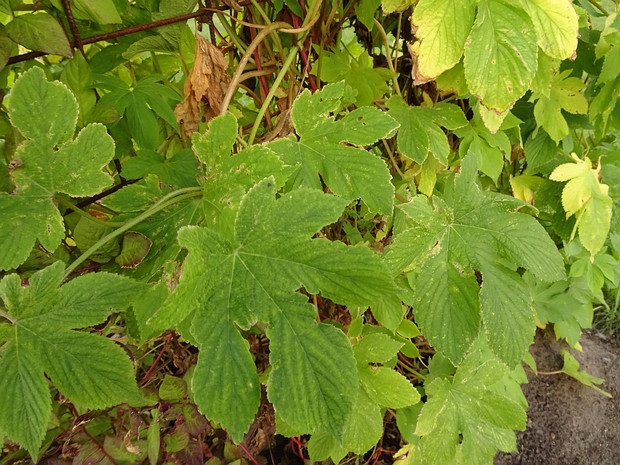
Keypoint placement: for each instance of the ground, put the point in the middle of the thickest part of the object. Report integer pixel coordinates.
(569, 423)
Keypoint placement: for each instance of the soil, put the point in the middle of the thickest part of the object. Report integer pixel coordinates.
(568, 422)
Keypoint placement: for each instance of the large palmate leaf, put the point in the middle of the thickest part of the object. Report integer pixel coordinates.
(468, 417)
(48, 162)
(36, 336)
(348, 171)
(447, 242)
(249, 273)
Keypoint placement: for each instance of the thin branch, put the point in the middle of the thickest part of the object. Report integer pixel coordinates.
(127, 31)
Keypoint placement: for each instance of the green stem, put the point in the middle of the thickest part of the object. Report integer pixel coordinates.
(274, 88)
(599, 7)
(84, 214)
(414, 373)
(232, 85)
(164, 202)
(388, 56)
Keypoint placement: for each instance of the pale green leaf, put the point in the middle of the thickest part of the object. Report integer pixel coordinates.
(595, 222)
(389, 6)
(587, 198)
(359, 73)
(91, 371)
(501, 54)
(32, 92)
(556, 23)
(387, 387)
(216, 144)
(463, 416)
(564, 95)
(49, 164)
(40, 32)
(571, 368)
(421, 129)
(447, 240)
(441, 28)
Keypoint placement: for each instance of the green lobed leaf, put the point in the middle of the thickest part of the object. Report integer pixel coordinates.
(249, 277)
(563, 95)
(359, 73)
(463, 417)
(349, 172)
(441, 28)
(50, 163)
(93, 372)
(501, 54)
(447, 241)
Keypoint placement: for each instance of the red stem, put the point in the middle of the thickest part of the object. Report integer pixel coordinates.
(248, 454)
(150, 370)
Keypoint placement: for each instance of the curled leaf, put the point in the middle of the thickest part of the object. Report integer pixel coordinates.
(205, 84)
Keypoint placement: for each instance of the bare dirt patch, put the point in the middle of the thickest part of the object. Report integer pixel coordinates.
(569, 423)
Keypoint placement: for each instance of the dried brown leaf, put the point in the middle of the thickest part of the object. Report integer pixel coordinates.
(204, 87)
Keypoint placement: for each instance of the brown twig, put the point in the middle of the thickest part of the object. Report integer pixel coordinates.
(105, 193)
(127, 31)
(73, 27)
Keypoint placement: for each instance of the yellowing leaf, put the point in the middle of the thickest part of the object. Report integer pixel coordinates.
(524, 187)
(556, 23)
(501, 54)
(587, 198)
(441, 27)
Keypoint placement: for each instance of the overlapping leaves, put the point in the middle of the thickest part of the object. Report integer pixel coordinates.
(36, 337)
(251, 275)
(499, 41)
(48, 162)
(447, 242)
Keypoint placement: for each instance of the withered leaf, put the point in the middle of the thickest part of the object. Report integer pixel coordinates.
(206, 84)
